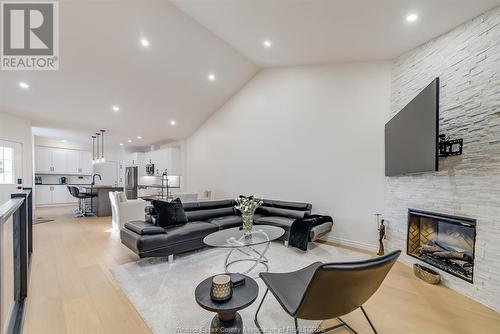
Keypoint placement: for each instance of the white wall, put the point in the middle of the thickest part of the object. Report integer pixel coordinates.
(311, 133)
(19, 130)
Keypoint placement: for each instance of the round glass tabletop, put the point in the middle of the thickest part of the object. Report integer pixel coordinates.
(234, 237)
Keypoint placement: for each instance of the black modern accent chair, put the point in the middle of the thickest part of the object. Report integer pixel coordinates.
(324, 291)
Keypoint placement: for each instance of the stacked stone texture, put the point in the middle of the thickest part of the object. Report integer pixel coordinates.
(467, 61)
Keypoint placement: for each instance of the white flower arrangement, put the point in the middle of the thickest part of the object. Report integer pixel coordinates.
(247, 207)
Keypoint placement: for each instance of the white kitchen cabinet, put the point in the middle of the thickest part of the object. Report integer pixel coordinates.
(53, 160)
(134, 159)
(61, 195)
(149, 157)
(43, 195)
(59, 160)
(167, 158)
(85, 163)
(138, 159)
(43, 159)
(72, 162)
(156, 159)
(53, 194)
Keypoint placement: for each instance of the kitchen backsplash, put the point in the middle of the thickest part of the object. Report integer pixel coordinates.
(73, 179)
(173, 181)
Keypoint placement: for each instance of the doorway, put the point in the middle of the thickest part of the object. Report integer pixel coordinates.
(11, 168)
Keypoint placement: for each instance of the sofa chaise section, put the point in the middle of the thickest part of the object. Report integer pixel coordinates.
(168, 241)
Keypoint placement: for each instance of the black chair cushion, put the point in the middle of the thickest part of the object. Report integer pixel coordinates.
(144, 228)
(170, 213)
(226, 221)
(288, 288)
(275, 221)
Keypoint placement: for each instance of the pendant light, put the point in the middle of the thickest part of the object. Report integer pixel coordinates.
(102, 145)
(97, 160)
(93, 150)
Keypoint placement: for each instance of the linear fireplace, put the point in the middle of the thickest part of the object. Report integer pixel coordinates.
(444, 241)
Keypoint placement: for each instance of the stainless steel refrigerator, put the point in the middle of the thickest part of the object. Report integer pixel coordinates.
(131, 182)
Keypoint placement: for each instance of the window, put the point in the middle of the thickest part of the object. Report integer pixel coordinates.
(6, 162)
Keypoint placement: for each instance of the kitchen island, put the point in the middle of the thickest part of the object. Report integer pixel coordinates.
(101, 206)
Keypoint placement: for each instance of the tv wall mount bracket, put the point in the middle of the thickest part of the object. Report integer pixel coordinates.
(450, 147)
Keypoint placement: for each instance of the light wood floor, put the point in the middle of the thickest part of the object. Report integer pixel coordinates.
(73, 291)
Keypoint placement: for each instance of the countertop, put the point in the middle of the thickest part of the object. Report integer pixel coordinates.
(156, 186)
(62, 184)
(103, 186)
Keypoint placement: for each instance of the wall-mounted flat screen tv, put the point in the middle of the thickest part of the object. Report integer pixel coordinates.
(411, 136)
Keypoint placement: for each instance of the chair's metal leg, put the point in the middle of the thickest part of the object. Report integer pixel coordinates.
(296, 325)
(171, 258)
(348, 327)
(258, 309)
(324, 330)
(369, 321)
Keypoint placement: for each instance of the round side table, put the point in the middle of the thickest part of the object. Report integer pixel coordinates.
(227, 319)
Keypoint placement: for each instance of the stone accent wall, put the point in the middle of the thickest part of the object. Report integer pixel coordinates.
(467, 60)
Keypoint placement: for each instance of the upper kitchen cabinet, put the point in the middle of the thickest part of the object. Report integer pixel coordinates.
(43, 159)
(167, 158)
(85, 163)
(70, 162)
(135, 159)
(53, 160)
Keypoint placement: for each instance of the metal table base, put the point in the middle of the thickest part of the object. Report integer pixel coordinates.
(251, 254)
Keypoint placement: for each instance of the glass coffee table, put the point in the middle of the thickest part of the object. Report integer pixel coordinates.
(235, 240)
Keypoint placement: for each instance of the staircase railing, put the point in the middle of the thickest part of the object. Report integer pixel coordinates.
(16, 247)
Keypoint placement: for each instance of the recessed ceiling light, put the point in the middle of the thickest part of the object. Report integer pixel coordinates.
(129, 141)
(64, 141)
(211, 77)
(24, 85)
(116, 108)
(144, 42)
(139, 137)
(121, 144)
(267, 43)
(412, 18)
(172, 123)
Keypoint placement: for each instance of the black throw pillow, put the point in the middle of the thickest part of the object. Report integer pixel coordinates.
(170, 213)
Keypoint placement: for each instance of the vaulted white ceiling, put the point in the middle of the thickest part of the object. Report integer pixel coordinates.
(328, 31)
(102, 62)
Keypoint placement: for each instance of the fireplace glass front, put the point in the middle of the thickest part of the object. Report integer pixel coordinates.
(444, 241)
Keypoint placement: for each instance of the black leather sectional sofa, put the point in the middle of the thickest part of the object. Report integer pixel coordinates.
(148, 240)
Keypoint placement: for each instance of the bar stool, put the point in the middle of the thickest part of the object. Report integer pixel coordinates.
(82, 209)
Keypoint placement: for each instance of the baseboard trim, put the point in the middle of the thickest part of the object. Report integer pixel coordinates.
(352, 243)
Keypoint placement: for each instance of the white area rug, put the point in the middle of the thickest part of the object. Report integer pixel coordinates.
(163, 293)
